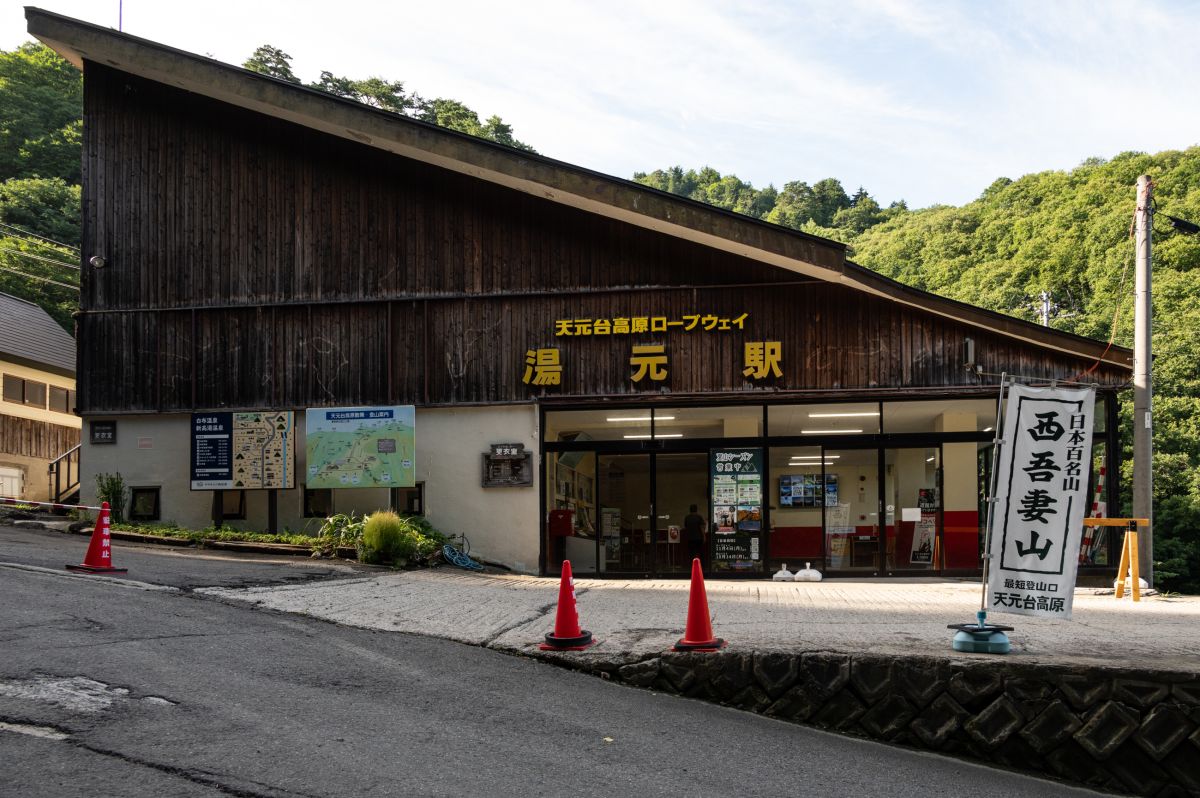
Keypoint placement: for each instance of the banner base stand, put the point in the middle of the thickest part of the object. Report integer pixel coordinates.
(981, 637)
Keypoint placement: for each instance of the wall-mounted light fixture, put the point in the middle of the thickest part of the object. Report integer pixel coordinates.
(97, 262)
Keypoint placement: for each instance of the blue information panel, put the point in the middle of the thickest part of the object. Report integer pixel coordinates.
(212, 451)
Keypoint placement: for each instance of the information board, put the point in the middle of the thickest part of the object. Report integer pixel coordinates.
(361, 447)
(243, 451)
(736, 476)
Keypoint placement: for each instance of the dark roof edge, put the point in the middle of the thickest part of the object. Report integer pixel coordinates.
(37, 365)
(80, 41)
(1011, 326)
(538, 175)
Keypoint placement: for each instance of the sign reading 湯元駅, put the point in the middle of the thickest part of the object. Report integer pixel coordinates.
(649, 362)
(361, 447)
(1041, 495)
(243, 451)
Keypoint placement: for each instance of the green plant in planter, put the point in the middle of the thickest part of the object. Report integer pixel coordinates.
(111, 488)
(383, 539)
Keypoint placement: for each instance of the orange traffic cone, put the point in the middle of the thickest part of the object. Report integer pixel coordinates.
(567, 636)
(99, 554)
(699, 634)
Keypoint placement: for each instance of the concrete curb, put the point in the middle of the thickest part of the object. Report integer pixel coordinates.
(1128, 731)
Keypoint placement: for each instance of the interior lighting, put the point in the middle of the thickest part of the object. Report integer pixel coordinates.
(928, 459)
(988, 429)
(815, 456)
(829, 431)
(660, 435)
(639, 418)
(844, 415)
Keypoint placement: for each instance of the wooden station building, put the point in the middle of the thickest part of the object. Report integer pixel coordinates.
(588, 357)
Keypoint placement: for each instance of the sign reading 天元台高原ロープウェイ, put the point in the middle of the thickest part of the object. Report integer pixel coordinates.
(361, 447)
(736, 520)
(243, 451)
(1041, 496)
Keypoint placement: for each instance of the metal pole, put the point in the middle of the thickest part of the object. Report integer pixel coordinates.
(997, 442)
(1143, 472)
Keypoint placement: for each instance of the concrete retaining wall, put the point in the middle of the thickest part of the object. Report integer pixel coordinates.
(1126, 731)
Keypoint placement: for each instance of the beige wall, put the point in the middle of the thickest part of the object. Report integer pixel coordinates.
(34, 469)
(37, 414)
(501, 523)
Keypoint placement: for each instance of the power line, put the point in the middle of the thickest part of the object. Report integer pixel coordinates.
(35, 235)
(25, 254)
(43, 279)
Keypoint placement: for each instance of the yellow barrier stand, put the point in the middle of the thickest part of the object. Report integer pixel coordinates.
(1129, 552)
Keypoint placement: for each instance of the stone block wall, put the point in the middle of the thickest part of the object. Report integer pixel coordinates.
(1125, 731)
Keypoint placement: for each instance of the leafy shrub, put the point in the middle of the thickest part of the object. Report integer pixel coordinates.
(338, 531)
(385, 539)
(111, 488)
(400, 540)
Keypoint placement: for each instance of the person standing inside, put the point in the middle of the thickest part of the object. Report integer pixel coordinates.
(693, 528)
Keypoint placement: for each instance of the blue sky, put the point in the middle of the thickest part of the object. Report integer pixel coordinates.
(925, 101)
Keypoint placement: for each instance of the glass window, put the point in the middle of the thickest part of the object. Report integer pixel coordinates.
(409, 501)
(14, 389)
(233, 504)
(1100, 419)
(743, 421)
(613, 424)
(318, 502)
(941, 415)
(60, 400)
(35, 393)
(847, 418)
(143, 504)
(796, 498)
(573, 522)
(852, 524)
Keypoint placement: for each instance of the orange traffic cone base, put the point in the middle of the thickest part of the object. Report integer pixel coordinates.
(97, 569)
(716, 644)
(581, 643)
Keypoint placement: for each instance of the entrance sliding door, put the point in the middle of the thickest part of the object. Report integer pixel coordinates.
(913, 504)
(626, 515)
(681, 490)
(854, 531)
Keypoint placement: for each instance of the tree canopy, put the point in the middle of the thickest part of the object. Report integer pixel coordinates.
(389, 95)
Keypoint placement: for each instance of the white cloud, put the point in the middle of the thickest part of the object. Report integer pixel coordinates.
(925, 100)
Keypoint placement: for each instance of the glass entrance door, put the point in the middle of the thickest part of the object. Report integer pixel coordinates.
(913, 506)
(681, 511)
(625, 513)
(854, 508)
(645, 501)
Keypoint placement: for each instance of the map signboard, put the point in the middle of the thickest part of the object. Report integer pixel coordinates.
(243, 451)
(361, 447)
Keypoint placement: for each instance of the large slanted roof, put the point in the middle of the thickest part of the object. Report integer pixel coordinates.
(29, 336)
(556, 181)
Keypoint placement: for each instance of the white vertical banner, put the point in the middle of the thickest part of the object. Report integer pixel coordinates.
(1041, 498)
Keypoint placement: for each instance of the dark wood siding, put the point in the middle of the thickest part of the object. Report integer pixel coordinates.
(26, 437)
(254, 263)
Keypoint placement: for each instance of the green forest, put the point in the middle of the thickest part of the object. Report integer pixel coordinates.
(1065, 233)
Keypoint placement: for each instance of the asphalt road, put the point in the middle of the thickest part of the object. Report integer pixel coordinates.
(109, 689)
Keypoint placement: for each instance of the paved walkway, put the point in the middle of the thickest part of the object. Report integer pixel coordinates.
(634, 619)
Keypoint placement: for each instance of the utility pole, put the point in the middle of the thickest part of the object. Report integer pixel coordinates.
(1143, 473)
(1044, 313)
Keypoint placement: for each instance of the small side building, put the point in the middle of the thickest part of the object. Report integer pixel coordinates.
(38, 425)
